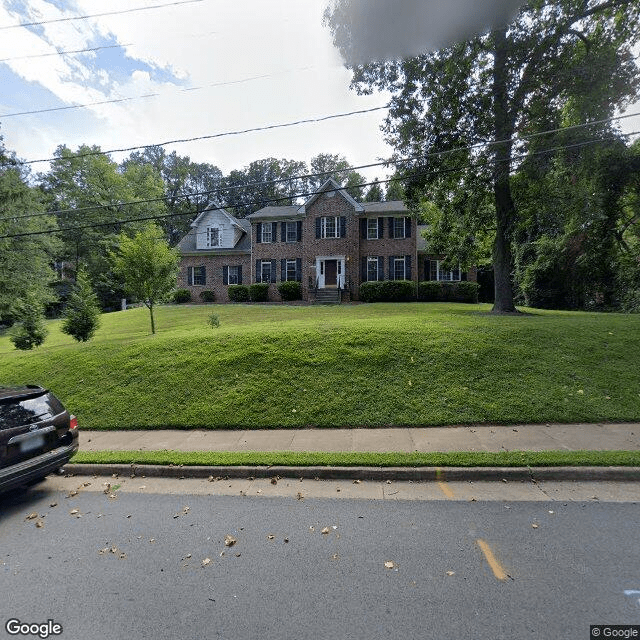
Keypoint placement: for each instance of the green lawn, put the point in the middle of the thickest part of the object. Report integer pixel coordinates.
(362, 365)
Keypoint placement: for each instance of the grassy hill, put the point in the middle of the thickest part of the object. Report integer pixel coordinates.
(362, 365)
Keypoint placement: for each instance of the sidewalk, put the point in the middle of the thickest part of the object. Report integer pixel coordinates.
(558, 437)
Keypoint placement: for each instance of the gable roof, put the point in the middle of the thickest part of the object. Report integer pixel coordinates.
(216, 206)
(285, 211)
(188, 243)
(331, 185)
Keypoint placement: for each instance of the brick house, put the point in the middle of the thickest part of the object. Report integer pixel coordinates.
(330, 244)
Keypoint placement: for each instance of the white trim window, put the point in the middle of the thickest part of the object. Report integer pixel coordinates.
(330, 227)
(398, 228)
(214, 236)
(399, 268)
(436, 272)
(265, 272)
(267, 232)
(372, 269)
(234, 275)
(292, 232)
(197, 276)
(372, 228)
(291, 270)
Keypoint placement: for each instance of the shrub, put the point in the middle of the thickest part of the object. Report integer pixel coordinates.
(207, 296)
(238, 293)
(214, 320)
(432, 291)
(388, 291)
(259, 292)
(30, 330)
(290, 290)
(181, 296)
(82, 313)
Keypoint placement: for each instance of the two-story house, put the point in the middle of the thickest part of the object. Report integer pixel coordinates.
(331, 243)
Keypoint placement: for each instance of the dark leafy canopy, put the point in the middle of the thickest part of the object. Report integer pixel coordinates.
(513, 80)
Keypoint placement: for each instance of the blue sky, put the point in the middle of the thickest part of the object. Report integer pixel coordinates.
(250, 63)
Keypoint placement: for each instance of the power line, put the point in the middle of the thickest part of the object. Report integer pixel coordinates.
(282, 198)
(206, 137)
(97, 15)
(63, 53)
(146, 95)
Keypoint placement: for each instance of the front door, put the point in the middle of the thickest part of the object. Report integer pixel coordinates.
(330, 273)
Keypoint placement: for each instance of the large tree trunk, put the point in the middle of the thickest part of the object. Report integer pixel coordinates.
(505, 208)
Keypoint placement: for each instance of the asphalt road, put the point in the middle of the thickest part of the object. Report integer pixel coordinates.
(131, 565)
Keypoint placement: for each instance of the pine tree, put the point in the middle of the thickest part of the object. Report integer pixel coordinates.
(82, 313)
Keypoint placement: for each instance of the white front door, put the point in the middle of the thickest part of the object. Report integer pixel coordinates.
(330, 272)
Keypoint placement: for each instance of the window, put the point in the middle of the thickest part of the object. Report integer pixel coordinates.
(292, 232)
(372, 228)
(234, 275)
(213, 236)
(398, 227)
(265, 272)
(267, 232)
(436, 272)
(197, 276)
(372, 269)
(291, 270)
(330, 227)
(399, 268)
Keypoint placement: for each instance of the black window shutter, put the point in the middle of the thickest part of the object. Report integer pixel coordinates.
(343, 226)
(363, 228)
(189, 276)
(283, 231)
(299, 230)
(258, 271)
(317, 227)
(380, 268)
(463, 276)
(225, 275)
(259, 233)
(391, 234)
(392, 271)
(203, 271)
(363, 270)
(240, 274)
(407, 227)
(380, 227)
(274, 274)
(274, 231)
(299, 269)
(407, 267)
(283, 270)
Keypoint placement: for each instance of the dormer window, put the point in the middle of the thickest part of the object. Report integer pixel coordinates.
(213, 236)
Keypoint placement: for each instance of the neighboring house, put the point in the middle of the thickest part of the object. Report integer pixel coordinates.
(330, 244)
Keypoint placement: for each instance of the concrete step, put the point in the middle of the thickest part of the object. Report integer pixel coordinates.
(327, 296)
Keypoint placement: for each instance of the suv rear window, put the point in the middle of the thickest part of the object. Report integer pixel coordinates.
(26, 411)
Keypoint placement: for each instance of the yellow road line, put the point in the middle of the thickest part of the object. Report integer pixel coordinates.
(446, 489)
(496, 567)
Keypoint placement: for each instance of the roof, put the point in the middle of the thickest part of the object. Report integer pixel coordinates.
(188, 243)
(215, 206)
(384, 207)
(275, 212)
(331, 185)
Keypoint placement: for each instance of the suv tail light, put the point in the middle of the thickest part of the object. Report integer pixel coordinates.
(73, 422)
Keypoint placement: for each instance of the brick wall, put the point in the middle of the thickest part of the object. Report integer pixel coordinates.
(214, 265)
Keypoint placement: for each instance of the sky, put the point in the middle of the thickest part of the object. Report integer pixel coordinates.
(213, 66)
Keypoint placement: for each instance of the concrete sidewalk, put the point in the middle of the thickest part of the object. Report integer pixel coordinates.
(572, 437)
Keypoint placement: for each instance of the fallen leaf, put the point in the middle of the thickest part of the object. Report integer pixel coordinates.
(73, 512)
(357, 481)
(206, 561)
(32, 516)
(53, 504)
(122, 556)
(388, 481)
(299, 496)
(286, 540)
(229, 541)
(210, 478)
(39, 524)
(534, 526)
(451, 573)
(72, 493)
(334, 556)
(389, 564)
(325, 530)
(270, 537)
(274, 480)
(238, 555)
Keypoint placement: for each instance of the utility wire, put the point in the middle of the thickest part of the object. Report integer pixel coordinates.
(63, 53)
(97, 15)
(282, 198)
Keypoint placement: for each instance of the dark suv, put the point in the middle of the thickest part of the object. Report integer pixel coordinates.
(37, 435)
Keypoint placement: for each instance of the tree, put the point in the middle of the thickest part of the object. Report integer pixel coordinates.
(504, 82)
(82, 313)
(147, 266)
(374, 194)
(329, 165)
(30, 330)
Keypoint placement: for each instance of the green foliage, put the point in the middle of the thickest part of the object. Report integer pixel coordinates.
(290, 290)
(180, 296)
(388, 291)
(238, 293)
(30, 330)
(214, 320)
(374, 194)
(81, 317)
(207, 296)
(259, 292)
(432, 291)
(147, 266)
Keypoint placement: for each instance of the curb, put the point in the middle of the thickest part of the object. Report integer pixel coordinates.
(575, 474)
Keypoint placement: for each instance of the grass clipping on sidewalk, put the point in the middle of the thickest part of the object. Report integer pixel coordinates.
(356, 459)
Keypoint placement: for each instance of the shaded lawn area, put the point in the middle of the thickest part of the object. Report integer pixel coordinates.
(270, 366)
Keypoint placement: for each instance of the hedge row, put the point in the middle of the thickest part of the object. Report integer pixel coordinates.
(430, 291)
(259, 292)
